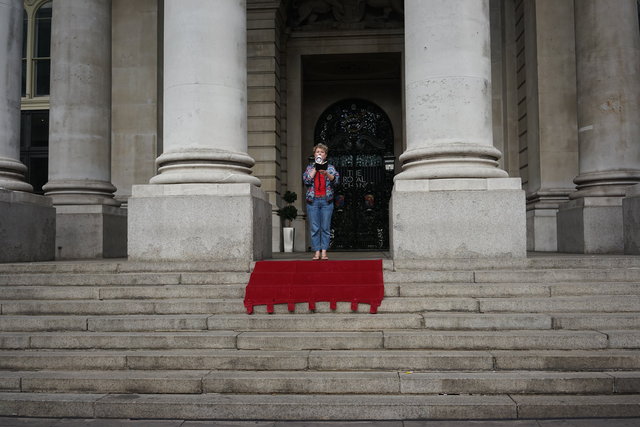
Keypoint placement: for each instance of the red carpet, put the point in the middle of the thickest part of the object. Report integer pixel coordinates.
(291, 282)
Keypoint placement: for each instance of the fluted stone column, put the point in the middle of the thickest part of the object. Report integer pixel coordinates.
(451, 200)
(89, 222)
(12, 171)
(608, 66)
(27, 221)
(203, 204)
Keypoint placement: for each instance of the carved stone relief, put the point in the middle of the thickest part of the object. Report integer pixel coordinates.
(346, 14)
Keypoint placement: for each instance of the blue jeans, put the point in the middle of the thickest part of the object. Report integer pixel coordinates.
(319, 212)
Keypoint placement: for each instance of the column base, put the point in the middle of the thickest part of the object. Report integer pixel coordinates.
(199, 222)
(90, 231)
(458, 218)
(631, 220)
(27, 227)
(591, 225)
(276, 233)
(542, 212)
(542, 231)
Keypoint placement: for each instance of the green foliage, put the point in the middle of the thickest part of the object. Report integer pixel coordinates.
(289, 212)
(290, 196)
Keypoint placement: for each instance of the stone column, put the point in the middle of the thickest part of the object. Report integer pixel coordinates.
(204, 203)
(89, 222)
(12, 171)
(451, 200)
(607, 66)
(551, 118)
(27, 221)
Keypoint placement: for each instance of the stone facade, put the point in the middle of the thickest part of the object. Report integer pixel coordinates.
(176, 126)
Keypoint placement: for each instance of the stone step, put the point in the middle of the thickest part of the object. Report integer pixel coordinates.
(10, 323)
(419, 382)
(47, 293)
(118, 340)
(323, 322)
(505, 290)
(175, 292)
(468, 360)
(322, 360)
(309, 340)
(558, 275)
(316, 322)
(315, 406)
(562, 360)
(236, 290)
(598, 321)
(445, 340)
(124, 266)
(531, 275)
(97, 307)
(200, 322)
(312, 382)
(252, 407)
(596, 288)
(189, 359)
(612, 304)
(416, 291)
(487, 321)
(514, 321)
(469, 290)
(567, 406)
(219, 306)
(125, 381)
(533, 261)
(489, 340)
(124, 279)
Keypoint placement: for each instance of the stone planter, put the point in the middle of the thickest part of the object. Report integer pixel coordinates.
(289, 234)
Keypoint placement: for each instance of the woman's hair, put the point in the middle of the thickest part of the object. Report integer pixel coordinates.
(322, 147)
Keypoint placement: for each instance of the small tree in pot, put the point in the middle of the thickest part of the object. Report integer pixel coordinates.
(288, 213)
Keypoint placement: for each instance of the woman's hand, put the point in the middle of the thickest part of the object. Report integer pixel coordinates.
(327, 174)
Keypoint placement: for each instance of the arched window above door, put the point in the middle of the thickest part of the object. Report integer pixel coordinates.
(36, 53)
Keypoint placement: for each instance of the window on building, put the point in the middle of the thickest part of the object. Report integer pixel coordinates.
(36, 51)
(25, 32)
(36, 77)
(34, 147)
(42, 50)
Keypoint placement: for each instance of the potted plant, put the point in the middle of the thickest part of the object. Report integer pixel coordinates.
(288, 213)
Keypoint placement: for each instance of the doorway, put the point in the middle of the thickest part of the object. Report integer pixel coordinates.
(353, 104)
(360, 138)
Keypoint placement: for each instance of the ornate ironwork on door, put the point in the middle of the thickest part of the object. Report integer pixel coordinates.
(360, 140)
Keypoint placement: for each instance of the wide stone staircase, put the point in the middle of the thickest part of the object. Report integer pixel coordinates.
(547, 337)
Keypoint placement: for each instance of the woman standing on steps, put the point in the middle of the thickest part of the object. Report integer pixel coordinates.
(320, 178)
